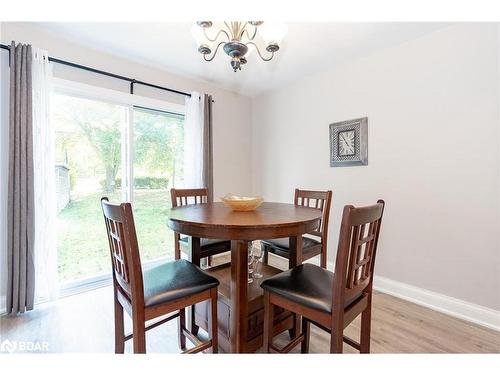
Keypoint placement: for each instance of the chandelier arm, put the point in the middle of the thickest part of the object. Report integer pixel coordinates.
(221, 31)
(254, 33)
(215, 52)
(248, 35)
(258, 51)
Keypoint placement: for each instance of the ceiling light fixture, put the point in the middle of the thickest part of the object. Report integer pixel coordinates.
(238, 39)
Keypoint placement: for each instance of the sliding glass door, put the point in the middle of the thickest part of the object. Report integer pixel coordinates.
(121, 151)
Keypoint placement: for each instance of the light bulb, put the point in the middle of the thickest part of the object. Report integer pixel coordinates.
(272, 32)
(198, 35)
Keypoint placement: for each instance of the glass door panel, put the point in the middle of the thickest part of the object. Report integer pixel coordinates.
(88, 141)
(157, 166)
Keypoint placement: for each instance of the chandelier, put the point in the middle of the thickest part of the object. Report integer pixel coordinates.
(238, 40)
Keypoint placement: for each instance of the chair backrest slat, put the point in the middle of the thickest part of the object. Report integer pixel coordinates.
(124, 249)
(183, 197)
(320, 200)
(358, 239)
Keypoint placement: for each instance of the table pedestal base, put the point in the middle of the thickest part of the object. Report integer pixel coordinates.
(283, 320)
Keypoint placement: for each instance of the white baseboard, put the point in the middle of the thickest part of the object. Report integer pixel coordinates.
(458, 308)
(448, 305)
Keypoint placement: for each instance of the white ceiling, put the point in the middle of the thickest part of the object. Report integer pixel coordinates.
(307, 48)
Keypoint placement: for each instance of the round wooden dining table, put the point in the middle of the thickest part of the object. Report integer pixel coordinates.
(244, 301)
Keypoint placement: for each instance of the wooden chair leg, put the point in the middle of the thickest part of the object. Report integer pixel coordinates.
(177, 247)
(306, 330)
(181, 324)
(194, 327)
(139, 332)
(323, 258)
(209, 261)
(336, 342)
(119, 328)
(337, 335)
(292, 332)
(366, 319)
(265, 259)
(194, 257)
(268, 322)
(295, 330)
(213, 332)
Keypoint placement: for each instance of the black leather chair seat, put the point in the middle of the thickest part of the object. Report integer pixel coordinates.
(308, 244)
(307, 284)
(172, 280)
(204, 241)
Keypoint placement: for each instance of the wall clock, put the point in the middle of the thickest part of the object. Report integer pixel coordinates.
(349, 143)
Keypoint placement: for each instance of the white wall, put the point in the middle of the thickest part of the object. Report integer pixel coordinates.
(231, 112)
(432, 105)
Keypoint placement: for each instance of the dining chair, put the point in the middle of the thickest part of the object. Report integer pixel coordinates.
(195, 248)
(204, 247)
(329, 300)
(163, 290)
(314, 244)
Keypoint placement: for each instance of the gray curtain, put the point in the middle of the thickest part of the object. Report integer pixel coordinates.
(208, 164)
(20, 235)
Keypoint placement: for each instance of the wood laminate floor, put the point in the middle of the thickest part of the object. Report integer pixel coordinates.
(84, 323)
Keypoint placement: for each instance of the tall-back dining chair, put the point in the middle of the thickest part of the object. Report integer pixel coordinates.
(164, 290)
(195, 248)
(314, 244)
(206, 247)
(329, 300)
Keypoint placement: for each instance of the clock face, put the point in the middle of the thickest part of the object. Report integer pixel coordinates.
(347, 143)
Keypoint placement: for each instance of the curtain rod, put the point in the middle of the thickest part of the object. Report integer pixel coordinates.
(108, 74)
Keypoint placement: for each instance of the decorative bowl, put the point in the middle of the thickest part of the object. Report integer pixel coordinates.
(237, 203)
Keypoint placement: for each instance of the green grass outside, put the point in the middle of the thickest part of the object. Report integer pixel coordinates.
(83, 249)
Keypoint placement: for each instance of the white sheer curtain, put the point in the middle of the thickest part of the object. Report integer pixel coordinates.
(46, 282)
(193, 137)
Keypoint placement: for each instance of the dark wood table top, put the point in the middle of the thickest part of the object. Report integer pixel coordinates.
(270, 220)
